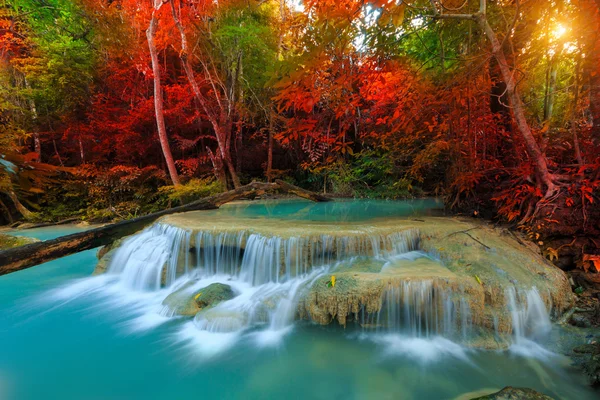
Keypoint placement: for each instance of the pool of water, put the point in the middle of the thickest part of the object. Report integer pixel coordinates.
(60, 342)
(338, 211)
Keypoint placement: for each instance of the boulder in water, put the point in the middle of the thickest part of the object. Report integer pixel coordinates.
(589, 355)
(213, 294)
(105, 254)
(188, 302)
(512, 393)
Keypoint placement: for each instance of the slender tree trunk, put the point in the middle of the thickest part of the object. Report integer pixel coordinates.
(223, 135)
(218, 169)
(573, 123)
(544, 176)
(158, 96)
(239, 148)
(7, 212)
(37, 144)
(57, 153)
(593, 62)
(273, 111)
(533, 149)
(550, 89)
(270, 147)
(18, 205)
(81, 152)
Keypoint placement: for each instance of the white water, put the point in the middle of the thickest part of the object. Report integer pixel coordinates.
(530, 322)
(269, 275)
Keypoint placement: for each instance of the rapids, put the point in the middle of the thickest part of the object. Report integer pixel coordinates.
(112, 335)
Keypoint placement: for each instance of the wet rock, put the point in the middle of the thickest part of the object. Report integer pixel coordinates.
(586, 349)
(105, 254)
(213, 294)
(589, 360)
(9, 241)
(580, 321)
(512, 393)
(181, 301)
(187, 301)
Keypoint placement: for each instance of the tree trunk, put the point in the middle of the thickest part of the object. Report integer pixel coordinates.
(158, 96)
(550, 90)
(217, 123)
(270, 147)
(18, 205)
(218, 169)
(532, 147)
(27, 256)
(573, 123)
(594, 73)
(37, 144)
(289, 188)
(273, 111)
(239, 149)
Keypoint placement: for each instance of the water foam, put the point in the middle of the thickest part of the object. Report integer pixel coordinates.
(269, 275)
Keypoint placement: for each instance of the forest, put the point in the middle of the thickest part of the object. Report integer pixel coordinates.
(112, 109)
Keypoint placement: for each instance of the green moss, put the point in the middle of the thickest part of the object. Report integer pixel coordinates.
(9, 241)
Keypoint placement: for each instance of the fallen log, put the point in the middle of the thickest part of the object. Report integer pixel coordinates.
(289, 188)
(27, 256)
(46, 224)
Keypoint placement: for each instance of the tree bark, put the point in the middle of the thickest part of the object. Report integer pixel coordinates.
(573, 123)
(550, 89)
(37, 144)
(289, 188)
(269, 172)
(531, 145)
(273, 112)
(18, 205)
(221, 125)
(27, 256)
(158, 96)
(543, 175)
(593, 62)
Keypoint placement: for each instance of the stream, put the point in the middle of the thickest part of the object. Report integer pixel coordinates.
(67, 335)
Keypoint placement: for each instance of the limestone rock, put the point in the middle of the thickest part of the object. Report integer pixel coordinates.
(187, 301)
(213, 294)
(512, 393)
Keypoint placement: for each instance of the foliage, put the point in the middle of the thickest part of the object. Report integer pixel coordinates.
(371, 98)
(193, 190)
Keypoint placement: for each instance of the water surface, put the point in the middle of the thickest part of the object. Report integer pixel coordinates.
(58, 341)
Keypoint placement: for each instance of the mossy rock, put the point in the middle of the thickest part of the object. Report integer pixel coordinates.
(213, 294)
(590, 361)
(188, 302)
(512, 393)
(105, 255)
(9, 241)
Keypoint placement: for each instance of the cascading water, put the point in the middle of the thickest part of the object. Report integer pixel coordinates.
(421, 309)
(142, 259)
(161, 253)
(530, 318)
(270, 274)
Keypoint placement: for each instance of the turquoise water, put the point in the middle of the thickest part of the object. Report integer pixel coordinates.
(339, 210)
(60, 342)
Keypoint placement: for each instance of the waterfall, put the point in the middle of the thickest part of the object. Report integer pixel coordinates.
(269, 274)
(530, 319)
(422, 309)
(160, 254)
(143, 258)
